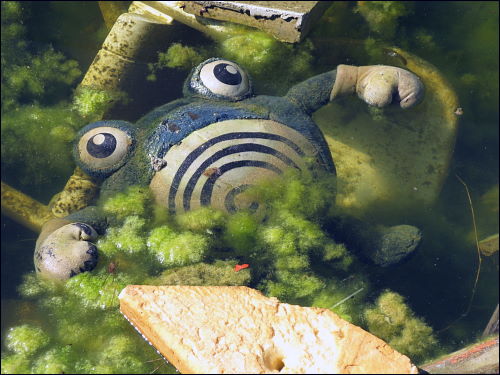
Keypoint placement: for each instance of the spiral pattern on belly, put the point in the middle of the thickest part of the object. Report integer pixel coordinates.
(215, 165)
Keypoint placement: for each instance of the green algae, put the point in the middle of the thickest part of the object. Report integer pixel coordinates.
(15, 364)
(289, 253)
(382, 16)
(128, 238)
(479, 97)
(36, 81)
(202, 220)
(180, 56)
(256, 51)
(260, 53)
(36, 144)
(219, 273)
(177, 249)
(92, 103)
(346, 297)
(135, 201)
(393, 321)
(30, 73)
(241, 232)
(26, 339)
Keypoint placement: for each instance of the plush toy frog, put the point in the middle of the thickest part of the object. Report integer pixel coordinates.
(210, 146)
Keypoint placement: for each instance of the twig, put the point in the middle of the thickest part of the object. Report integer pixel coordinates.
(154, 360)
(345, 299)
(480, 259)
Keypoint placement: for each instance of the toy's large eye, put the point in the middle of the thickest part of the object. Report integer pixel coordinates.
(225, 78)
(104, 149)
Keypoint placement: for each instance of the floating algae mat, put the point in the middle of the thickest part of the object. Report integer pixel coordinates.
(295, 255)
(289, 254)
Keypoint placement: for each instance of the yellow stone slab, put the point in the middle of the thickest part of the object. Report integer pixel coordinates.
(235, 329)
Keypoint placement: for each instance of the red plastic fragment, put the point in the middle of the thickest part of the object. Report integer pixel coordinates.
(240, 267)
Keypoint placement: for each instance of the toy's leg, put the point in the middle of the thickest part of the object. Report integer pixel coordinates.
(383, 246)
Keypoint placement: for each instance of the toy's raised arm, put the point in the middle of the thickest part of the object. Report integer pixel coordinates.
(377, 85)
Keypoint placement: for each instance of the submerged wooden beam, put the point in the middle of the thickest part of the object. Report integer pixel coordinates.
(78, 192)
(111, 10)
(24, 209)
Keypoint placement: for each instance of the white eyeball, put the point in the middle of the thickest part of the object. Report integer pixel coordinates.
(104, 149)
(223, 77)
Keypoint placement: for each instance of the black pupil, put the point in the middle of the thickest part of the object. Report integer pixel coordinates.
(223, 75)
(101, 147)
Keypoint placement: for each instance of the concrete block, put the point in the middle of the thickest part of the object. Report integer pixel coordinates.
(288, 21)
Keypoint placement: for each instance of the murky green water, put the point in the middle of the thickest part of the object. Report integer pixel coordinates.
(459, 38)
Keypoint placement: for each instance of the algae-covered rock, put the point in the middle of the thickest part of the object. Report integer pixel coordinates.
(489, 245)
(398, 156)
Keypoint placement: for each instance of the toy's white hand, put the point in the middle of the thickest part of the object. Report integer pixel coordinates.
(66, 252)
(379, 85)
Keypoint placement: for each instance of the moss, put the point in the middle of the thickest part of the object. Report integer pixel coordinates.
(240, 232)
(426, 41)
(15, 364)
(36, 145)
(135, 201)
(202, 220)
(129, 237)
(344, 296)
(250, 48)
(98, 291)
(309, 234)
(259, 53)
(56, 361)
(92, 103)
(43, 75)
(256, 51)
(393, 321)
(26, 339)
(177, 249)
(290, 236)
(118, 355)
(292, 262)
(70, 332)
(31, 73)
(218, 273)
(130, 363)
(382, 16)
(33, 286)
(490, 199)
(291, 286)
(35, 139)
(310, 193)
(180, 56)
(417, 340)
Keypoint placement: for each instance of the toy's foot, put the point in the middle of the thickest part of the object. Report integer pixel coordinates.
(66, 252)
(394, 244)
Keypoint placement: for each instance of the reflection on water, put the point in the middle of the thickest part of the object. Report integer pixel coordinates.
(439, 280)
